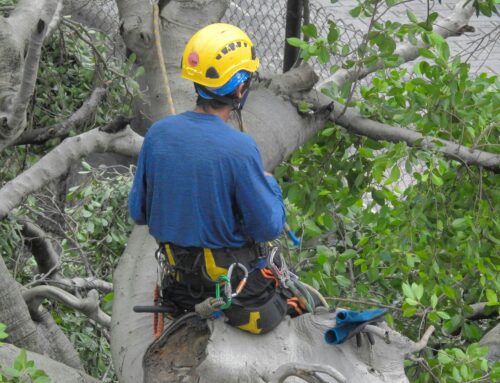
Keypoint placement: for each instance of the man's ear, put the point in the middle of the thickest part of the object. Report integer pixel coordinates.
(239, 90)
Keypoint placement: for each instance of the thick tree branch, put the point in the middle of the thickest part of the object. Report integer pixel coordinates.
(47, 259)
(306, 372)
(422, 343)
(58, 372)
(82, 115)
(76, 284)
(57, 162)
(453, 25)
(60, 345)
(15, 123)
(14, 313)
(40, 246)
(89, 305)
(354, 122)
(56, 18)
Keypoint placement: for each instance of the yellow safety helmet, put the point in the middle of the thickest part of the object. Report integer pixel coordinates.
(217, 52)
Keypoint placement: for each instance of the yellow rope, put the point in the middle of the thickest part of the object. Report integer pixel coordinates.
(159, 51)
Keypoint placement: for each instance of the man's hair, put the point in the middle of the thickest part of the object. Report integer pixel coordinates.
(205, 104)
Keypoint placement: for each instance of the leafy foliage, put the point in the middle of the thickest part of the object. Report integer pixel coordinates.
(23, 370)
(90, 221)
(397, 226)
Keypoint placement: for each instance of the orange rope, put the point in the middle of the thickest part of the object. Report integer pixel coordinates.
(158, 320)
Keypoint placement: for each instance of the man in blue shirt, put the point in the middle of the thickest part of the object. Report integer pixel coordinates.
(201, 188)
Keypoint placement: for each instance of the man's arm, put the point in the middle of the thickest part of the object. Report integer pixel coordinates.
(259, 200)
(138, 193)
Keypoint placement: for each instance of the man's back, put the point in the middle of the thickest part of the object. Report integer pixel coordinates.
(201, 183)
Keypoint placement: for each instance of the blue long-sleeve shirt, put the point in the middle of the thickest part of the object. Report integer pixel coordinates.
(201, 183)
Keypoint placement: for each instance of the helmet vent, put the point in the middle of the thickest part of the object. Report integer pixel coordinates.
(254, 55)
(212, 73)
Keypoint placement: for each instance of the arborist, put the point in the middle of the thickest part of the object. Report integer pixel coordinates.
(201, 188)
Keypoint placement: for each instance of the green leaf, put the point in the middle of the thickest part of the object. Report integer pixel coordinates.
(386, 44)
(333, 34)
(424, 52)
(408, 291)
(491, 296)
(309, 30)
(443, 50)
(379, 197)
(86, 166)
(343, 281)
(409, 311)
(443, 315)
(434, 301)
(296, 42)
(411, 301)
(327, 132)
(458, 223)
(444, 358)
(323, 55)
(419, 291)
(411, 16)
(11, 372)
(436, 180)
(355, 12)
(3, 333)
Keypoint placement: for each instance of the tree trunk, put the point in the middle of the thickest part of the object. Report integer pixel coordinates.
(21, 329)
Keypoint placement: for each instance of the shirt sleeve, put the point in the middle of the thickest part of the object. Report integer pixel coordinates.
(138, 194)
(259, 200)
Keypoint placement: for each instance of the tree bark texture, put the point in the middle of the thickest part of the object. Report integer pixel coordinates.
(492, 340)
(24, 30)
(14, 313)
(38, 333)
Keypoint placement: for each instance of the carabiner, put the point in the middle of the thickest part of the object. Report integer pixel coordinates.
(281, 273)
(228, 288)
(223, 278)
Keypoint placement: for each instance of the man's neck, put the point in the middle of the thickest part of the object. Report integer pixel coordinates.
(222, 112)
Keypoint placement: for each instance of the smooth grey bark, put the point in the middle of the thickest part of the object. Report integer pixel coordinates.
(24, 30)
(40, 246)
(492, 340)
(59, 342)
(301, 341)
(38, 333)
(179, 20)
(58, 372)
(14, 313)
